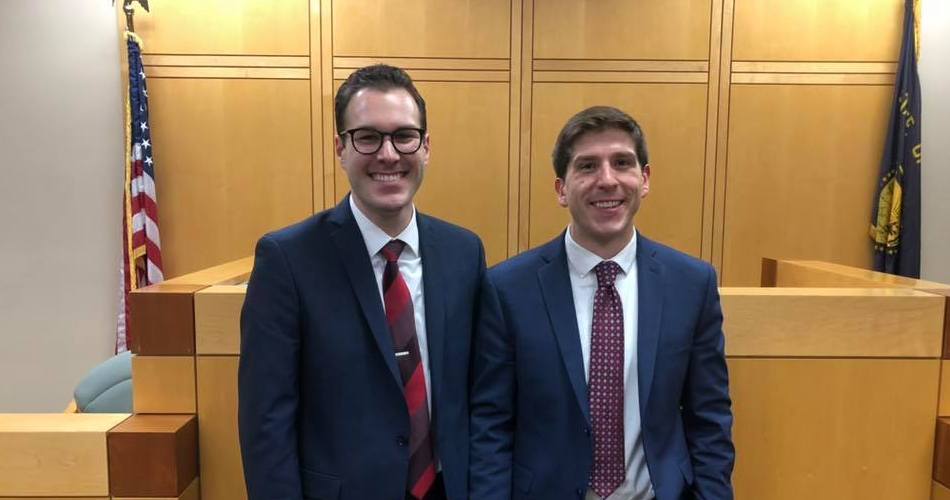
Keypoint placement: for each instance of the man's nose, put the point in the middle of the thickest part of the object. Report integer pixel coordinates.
(606, 177)
(387, 151)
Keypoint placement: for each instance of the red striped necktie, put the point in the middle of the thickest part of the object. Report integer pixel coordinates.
(402, 325)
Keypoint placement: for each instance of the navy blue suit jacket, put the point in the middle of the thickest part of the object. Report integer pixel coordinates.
(321, 410)
(531, 431)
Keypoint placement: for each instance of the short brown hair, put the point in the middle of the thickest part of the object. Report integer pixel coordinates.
(596, 119)
(380, 77)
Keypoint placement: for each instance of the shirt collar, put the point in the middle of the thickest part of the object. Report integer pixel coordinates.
(582, 261)
(375, 238)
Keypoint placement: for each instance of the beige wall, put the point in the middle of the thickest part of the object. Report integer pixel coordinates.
(935, 203)
(61, 163)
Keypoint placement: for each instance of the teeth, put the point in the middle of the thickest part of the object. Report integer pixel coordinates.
(387, 177)
(606, 204)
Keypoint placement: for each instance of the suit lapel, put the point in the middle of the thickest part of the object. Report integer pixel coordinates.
(351, 248)
(650, 311)
(433, 285)
(559, 300)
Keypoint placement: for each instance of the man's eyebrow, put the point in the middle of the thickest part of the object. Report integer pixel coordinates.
(619, 154)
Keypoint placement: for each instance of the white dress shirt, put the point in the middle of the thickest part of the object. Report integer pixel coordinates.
(581, 263)
(410, 266)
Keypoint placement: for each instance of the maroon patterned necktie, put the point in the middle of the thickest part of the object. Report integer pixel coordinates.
(606, 382)
(402, 325)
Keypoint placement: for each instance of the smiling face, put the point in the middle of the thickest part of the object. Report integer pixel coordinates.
(602, 189)
(383, 183)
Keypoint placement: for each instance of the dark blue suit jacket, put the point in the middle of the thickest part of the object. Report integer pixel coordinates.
(321, 409)
(530, 413)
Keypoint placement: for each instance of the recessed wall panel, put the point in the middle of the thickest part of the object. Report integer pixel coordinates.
(621, 29)
(673, 118)
(827, 30)
(233, 162)
(802, 168)
(242, 27)
(421, 28)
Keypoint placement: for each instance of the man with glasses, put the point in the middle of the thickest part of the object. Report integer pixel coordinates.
(356, 327)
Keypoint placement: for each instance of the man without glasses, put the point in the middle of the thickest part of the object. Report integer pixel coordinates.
(356, 327)
(599, 368)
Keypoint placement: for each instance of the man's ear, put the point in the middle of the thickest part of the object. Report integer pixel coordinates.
(645, 188)
(338, 146)
(560, 190)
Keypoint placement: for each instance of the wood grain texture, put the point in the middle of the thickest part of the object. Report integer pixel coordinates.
(224, 27)
(940, 492)
(830, 30)
(163, 384)
(223, 72)
(943, 409)
(56, 454)
(813, 67)
(162, 319)
(410, 63)
(468, 125)
(421, 28)
(217, 415)
(673, 118)
(153, 456)
(941, 465)
(192, 492)
(218, 319)
(802, 165)
(769, 272)
(815, 273)
(832, 429)
(621, 29)
(230, 273)
(839, 322)
(234, 160)
(812, 79)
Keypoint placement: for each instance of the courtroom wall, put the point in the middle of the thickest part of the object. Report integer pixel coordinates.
(765, 118)
(934, 82)
(61, 160)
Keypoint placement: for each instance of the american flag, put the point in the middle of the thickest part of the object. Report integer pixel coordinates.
(142, 252)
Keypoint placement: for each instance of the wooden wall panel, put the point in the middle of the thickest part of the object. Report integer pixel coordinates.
(801, 173)
(466, 181)
(843, 322)
(673, 117)
(873, 421)
(225, 27)
(163, 384)
(622, 29)
(421, 28)
(234, 163)
(829, 30)
(221, 466)
(218, 319)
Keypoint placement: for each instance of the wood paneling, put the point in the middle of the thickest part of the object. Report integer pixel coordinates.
(801, 173)
(234, 163)
(192, 492)
(850, 322)
(162, 321)
(163, 384)
(942, 452)
(421, 28)
(830, 30)
(621, 29)
(832, 429)
(153, 455)
(224, 27)
(57, 454)
(943, 410)
(813, 273)
(673, 118)
(230, 273)
(466, 181)
(221, 466)
(218, 319)
(940, 492)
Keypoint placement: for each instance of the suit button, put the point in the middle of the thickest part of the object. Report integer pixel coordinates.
(587, 431)
(580, 492)
(402, 441)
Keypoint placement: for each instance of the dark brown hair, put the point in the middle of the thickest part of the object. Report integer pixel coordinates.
(380, 77)
(596, 119)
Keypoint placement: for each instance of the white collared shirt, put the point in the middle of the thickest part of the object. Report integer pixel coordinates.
(581, 263)
(410, 266)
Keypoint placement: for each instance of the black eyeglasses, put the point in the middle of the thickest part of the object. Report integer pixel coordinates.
(369, 140)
